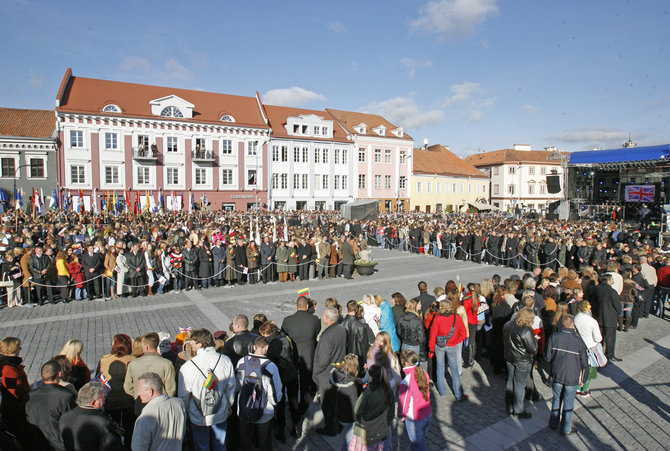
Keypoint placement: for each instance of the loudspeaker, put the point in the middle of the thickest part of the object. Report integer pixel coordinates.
(553, 184)
(551, 216)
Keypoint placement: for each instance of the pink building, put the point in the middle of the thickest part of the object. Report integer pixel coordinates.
(383, 154)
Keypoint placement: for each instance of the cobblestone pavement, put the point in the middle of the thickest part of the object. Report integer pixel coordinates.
(629, 408)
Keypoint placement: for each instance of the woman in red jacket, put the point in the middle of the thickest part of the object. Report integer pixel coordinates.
(14, 387)
(471, 305)
(447, 333)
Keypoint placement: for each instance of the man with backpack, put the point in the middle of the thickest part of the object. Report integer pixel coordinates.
(207, 387)
(260, 391)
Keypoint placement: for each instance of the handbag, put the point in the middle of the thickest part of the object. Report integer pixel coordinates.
(596, 356)
(370, 432)
(442, 340)
(6, 284)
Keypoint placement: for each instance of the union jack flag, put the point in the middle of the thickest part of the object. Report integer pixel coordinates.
(105, 382)
(640, 193)
(185, 330)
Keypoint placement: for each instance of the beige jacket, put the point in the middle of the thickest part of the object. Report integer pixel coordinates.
(151, 362)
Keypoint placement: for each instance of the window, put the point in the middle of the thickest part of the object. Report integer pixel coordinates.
(296, 181)
(403, 157)
(345, 182)
(252, 147)
(111, 109)
(324, 181)
(171, 111)
(512, 170)
(173, 176)
(531, 188)
(419, 187)
(284, 153)
(296, 154)
(143, 141)
(496, 170)
(284, 181)
(510, 189)
(275, 153)
(361, 154)
(387, 156)
(429, 187)
(336, 156)
(462, 188)
(361, 181)
(336, 182)
(77, 174)
(36, 168)
(305, 181)
(531, 170)
(325, 155)
(469, 187)
(8, 167)
(543, 189)
(227, 118)
(446, 187)
(251, 177)
(111, 175)
(378, 155)
(143, 176)
(324, 131)
(172, 144)
(227, 146)
(317, 155)
(387, 182)
(344, 156)
(200, 144)
(111, 141)
(200, 176)
(378, 181)
(543, 170)
(227, 177)
(402, 183)
(304, 129)
(317, 130)
(275, 181)
(305, 155)
(483, 188)
(496, 189)
(438, 187)
(296, 128)
(76, 138)
(453, 188)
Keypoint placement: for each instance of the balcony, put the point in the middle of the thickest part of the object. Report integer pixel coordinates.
(201, 155)
(141, 153)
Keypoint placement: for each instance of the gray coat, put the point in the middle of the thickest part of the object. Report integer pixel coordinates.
(190, 259)
(219, 257)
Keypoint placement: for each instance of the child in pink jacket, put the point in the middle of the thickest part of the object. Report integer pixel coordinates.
(414, 402)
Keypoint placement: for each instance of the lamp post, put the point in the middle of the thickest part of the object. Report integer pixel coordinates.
(16, 172)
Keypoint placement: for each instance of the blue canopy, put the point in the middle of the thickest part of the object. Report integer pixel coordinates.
(620, 155)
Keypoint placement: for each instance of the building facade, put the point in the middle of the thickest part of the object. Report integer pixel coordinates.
(27, 153)
(173, 144)
(443, 182)
(311, 160)
(519, 176)
(383, 154)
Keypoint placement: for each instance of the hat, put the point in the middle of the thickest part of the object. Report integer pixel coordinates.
(220, 335)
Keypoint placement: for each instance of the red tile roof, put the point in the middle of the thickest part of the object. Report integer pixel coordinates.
(439, 160)
(90, 95)
(496, 157)
(278, 117)
(350, 119)
(27, 123)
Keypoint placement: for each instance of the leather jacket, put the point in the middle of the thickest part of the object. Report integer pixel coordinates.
(240, 345)
(357, 337)
(520, 343)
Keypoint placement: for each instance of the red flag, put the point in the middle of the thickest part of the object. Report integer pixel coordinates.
(137, 203)
(127, 195)
(81, 201)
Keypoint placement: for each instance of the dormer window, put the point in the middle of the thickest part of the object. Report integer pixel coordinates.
(317, 130)
(227, 118)
(399, 132)
(171, 111)
(361, 128)
(381, 130)
(111, 108)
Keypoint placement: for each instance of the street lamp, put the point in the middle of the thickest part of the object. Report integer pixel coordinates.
(16, 171)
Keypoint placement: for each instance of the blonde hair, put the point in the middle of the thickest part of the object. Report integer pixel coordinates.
(410, 307)
(368, 299)
(378, 300)
(486, 288)
(439, 291)
(10, 345)
(387, 347)
(525, 317)
(72, 350)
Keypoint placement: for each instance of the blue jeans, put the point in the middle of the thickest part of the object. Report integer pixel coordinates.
(206, 438)
(627, 309)
(563, 395)
(416, 431)
(451, 353)
(416, 348)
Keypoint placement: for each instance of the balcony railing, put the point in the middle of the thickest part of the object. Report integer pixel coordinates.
(146, 154)
(202, 155)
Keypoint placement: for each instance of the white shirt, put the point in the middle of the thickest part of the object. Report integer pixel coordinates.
(588, 329)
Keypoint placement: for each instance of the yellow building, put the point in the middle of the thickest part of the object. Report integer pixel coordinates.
(443, 182)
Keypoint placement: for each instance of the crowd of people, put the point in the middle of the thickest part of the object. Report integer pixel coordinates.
(367, 361)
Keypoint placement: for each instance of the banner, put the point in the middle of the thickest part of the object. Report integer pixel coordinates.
(640, 193)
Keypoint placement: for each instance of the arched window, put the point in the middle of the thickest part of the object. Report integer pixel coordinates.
(227, 118)
(171, 111)
(111, 108)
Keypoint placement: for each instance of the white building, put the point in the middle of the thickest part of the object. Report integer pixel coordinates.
(519, 176)
(311, 160)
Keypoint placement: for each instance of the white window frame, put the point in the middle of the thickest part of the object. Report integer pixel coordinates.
(378, 181)
(388, 156)
(227, 146)
(172, 144)
(361, 154)
(81, 176)
(362, 182)
(252, 149)
(326, 155)
(345, 182)
(403, 157)
(227, 175)
(172, 176)
(402, 182)
(143, 175)
(305, 181)
(388, 182)
(200, 177)
(378, 155)
(111, 141)
(43, 159)
(345, 156)
(284, 181)
(113, 173)
(419, 186)
(77, 139)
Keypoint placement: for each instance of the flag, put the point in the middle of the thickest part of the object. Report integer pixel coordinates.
(204, 202)
(185, 330)
(210, 382)
(33, 200)
(109, 201)
(174, 201)
(147, 202)
(161, 200)
(128, 205)
(191, 205)
(43, 205)
(137, 202)
(105, 382)
(53, 200)
(640, 193)
(95, 200)
(303, 292)
(116, 201)
(81, 207)
(66, 199)
(154, 205)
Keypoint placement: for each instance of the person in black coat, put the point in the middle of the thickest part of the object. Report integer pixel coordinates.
(330, 350)
(87, 426)
(45, 407)
(190, 265)
(476, 245)
(512, 251)
(607, 307)
(305, 252)
(137, 269)
(240, 259)
(205, 264)
(268, 252)
(241, 343)
(550, 250)
(520, 346)
(357, 336)
(39, 267)
(303, 327)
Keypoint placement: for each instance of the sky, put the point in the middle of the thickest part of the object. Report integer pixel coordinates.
(476, 75)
